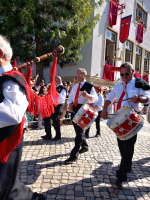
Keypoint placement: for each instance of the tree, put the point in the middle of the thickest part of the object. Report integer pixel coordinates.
(36, 27)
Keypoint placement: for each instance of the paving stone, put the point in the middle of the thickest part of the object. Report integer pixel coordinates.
(93, 175)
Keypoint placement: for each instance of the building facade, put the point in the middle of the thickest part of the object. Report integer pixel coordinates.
(105, 41)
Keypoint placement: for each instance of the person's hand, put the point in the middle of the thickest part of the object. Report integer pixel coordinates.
(104, 114)
(37, 75)
(84, 94)
(70, 108)
(74, 80)
(135, 99)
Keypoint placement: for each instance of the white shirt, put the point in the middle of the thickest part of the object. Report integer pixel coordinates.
(131, 91)
(99, 103)
(14, 106)
(82, 100)
(62, 96)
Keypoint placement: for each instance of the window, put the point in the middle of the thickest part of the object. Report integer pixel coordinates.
(146, 61)
(138, 58)
(128, 51)
(110, 45)
(141, 14)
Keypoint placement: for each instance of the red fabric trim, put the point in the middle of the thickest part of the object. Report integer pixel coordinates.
(29, 74)
(53, 90)
(108, 75)
(113, 13)
(42, 105)
(15, 64)
(139, 36)
(10, 143)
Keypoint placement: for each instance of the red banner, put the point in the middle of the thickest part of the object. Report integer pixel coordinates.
(124, 28)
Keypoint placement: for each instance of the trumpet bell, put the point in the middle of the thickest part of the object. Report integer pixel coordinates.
(60, 49)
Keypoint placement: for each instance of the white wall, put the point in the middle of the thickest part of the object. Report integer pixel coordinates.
(99, 33)
(93, 52)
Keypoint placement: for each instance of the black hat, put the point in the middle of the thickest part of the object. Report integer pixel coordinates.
(42, 81)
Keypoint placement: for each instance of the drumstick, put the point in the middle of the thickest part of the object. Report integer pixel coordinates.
(127, 99)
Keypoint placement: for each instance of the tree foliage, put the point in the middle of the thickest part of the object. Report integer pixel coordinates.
(36, 27)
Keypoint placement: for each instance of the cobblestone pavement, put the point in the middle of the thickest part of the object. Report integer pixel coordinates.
(92, 176)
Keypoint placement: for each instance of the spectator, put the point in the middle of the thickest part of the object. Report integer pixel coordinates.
(41, 83)
(34, 87)
(107, 61)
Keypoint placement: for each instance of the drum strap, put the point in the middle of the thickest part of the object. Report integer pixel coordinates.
(121, 98)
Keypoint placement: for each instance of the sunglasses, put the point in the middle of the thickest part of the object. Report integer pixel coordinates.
(126, 74)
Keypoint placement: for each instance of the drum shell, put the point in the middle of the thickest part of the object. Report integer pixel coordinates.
(128, 126)
(85, 116)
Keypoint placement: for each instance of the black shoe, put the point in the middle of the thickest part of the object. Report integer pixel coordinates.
(69, 161)
(86, 136)
(45, 137)
(119, 183)
(37, 196)
(83, 150)
(97, 135)
(56, 138)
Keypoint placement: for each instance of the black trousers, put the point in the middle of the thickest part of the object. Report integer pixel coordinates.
(97, 120)
(126, 148)
(10, 187)
(80, 140)
(55, 117)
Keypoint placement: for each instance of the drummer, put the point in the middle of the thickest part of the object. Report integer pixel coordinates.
(126, 147)
(81, 93)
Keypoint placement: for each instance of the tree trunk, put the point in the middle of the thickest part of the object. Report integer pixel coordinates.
(39, 66)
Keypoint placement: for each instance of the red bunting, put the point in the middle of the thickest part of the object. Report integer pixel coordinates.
(108, 75)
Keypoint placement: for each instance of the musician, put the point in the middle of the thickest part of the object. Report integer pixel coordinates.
(88, 95)
(97, 107)
(13, 104)
(126, 147)
(58, 110)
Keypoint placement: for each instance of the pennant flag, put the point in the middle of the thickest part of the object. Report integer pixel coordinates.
(124, 28)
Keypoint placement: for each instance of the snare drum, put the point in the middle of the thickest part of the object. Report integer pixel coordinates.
(148, 114)
(85, 116)
(126, 123)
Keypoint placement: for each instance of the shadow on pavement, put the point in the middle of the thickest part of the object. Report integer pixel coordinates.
(101, 184)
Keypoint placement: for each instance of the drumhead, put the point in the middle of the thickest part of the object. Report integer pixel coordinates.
(122, 114)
